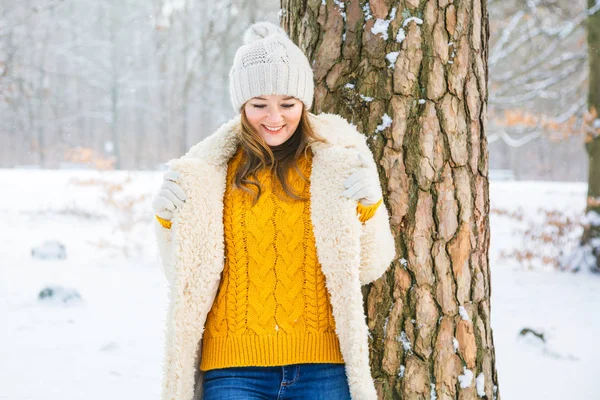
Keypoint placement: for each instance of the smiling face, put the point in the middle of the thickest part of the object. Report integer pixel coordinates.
(274, 117)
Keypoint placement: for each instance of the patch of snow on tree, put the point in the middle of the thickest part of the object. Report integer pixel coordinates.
(392, 57)
(463, 313)
(479, 383)
(367, 12)
(592, 218)
(400, 36)
(366, 98)
(594, 9)
(339, 3)
(381, 26)
(418, 21)
(465, 379)
(404, 340)
(386, 123)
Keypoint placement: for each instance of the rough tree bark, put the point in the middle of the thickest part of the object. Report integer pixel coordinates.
(412, 75)
(591, 235)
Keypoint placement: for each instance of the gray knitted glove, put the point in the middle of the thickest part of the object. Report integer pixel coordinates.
(363, 185)
(169, 198)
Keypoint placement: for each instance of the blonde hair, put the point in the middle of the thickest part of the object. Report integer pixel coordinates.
(259, 155)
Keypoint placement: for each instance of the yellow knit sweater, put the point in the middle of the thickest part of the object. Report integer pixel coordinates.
(272, 307)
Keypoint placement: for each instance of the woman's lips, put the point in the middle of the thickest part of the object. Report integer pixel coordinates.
(273, 132)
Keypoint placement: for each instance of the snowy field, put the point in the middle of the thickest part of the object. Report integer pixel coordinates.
(108, 344)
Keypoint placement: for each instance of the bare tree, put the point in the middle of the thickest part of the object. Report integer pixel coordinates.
(591, 236)
(135, 80)
(587, 255)
(537, 80)
(413, 77)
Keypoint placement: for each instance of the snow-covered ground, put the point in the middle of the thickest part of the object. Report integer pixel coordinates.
(561, 305)
(109, 344)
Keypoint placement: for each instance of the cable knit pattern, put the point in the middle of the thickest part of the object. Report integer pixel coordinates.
(272, 307)
(192, 253)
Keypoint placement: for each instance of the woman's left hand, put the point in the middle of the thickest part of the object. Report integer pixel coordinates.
(363, 185)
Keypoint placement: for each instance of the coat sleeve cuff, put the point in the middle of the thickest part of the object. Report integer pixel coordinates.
(164, 222)
(366, 212)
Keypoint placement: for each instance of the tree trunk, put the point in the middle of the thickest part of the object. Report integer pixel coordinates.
(41, 104)
(412, 76)
(114, 88)
(185, 93)
(591, 234)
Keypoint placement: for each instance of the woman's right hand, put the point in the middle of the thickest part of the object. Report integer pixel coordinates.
(169, 198)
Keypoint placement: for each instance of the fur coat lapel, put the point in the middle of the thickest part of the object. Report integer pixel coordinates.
(350, 253)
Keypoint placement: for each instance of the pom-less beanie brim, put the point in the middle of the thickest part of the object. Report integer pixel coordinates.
(266, 79)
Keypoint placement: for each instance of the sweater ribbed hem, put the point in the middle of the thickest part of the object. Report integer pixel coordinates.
(272, 350)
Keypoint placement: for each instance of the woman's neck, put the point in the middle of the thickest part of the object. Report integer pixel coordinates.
(286, 148)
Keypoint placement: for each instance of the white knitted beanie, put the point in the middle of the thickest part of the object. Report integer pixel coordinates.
(269, 63)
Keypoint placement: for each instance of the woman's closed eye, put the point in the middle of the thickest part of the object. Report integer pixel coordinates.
(283, 105)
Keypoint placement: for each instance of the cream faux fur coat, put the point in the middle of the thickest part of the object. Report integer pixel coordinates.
(192, 251)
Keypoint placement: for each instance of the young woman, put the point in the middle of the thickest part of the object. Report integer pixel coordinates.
(267, 229)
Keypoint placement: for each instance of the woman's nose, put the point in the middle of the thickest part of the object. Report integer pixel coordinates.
(274, 116)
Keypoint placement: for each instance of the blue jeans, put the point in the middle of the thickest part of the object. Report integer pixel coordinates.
(315, 381)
